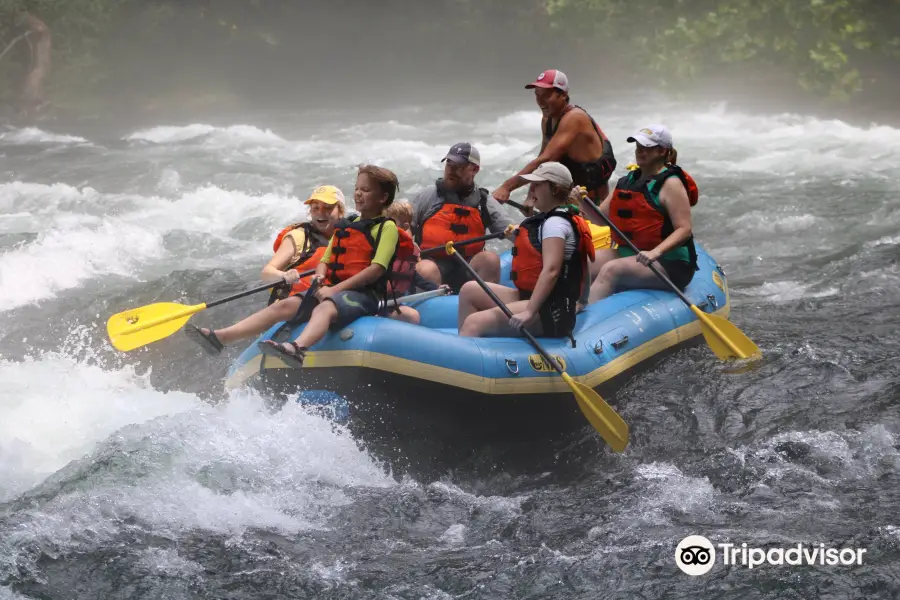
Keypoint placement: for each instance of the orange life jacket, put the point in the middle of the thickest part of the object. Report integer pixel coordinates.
(593, 174)
(310, 255)
(636, 211)
(528, 262)
(353, 249)
(456, 223)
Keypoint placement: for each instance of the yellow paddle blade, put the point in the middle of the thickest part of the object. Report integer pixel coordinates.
(726, 340)
(137, 327)
(605, 420)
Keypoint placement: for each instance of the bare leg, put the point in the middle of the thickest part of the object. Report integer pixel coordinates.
(473, 299)
(258, 322)
(321, 319)
(601, 257)
(626, 272)
(495, 323)
(487, 265)
(407, 314)
(429, 270)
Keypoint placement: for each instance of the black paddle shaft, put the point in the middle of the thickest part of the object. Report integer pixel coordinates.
(653, 268)
(521, 207)
(254, 290)
(508, 313)
(481, 238)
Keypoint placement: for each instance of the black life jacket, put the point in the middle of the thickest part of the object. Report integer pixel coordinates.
(594, 174)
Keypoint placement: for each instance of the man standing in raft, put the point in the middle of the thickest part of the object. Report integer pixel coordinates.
(570, 136)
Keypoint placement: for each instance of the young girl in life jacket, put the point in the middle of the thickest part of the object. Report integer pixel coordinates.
(549, 269)
(353, 272)
(405, 278)
(298, 248)
(652, 206)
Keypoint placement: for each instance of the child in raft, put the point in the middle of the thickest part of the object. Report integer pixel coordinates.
(353, 272)
(297, 248)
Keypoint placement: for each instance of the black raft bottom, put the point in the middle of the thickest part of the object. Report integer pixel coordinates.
(427, 428)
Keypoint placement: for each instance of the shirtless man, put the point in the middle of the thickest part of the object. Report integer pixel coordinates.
(570, 136)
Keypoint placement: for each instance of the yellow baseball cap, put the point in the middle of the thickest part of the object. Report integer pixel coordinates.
(327, 194)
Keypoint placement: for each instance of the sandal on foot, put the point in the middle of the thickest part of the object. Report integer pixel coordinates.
(208, 341)
(270, 348)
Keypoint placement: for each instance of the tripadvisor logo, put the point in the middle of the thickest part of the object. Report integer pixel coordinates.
(696, 555)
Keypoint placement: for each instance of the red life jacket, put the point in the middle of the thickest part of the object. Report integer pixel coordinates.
(309, 257)
(353, 249)
(403, 270)
(456, 223)
(635, 209)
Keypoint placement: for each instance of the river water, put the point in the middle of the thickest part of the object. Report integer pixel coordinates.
(133, 475)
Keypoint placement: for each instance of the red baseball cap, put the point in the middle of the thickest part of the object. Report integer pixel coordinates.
(552, 78)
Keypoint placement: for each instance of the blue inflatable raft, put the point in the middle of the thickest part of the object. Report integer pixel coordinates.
(378, 364)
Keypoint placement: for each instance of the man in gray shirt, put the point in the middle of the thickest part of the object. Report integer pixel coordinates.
(455, 209)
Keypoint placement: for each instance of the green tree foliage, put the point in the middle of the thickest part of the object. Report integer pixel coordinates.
(826, 44)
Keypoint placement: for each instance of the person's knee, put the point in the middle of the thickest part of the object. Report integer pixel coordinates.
(470, 328)
(486, 259)
(327, 309)
(429, 270)
(487, 265)
(612, 271)
(469, 290)
(285, 309)
(410, 315)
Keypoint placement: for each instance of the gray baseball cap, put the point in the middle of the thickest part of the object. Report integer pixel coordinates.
(462, 153)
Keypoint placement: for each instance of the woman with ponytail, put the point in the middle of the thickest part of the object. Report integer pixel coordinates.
(651, 205)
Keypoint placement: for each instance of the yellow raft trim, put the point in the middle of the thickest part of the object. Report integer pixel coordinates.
(475, 383)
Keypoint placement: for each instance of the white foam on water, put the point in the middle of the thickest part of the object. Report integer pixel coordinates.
(785, 291)
(65, 258)
(129, 239)
(54, 410)
(233, 134)
(105, 453)
(166, 562)
(44, 201)
(33, 135)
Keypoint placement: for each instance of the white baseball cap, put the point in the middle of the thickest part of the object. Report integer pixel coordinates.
(653, 135)
(553, 172)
